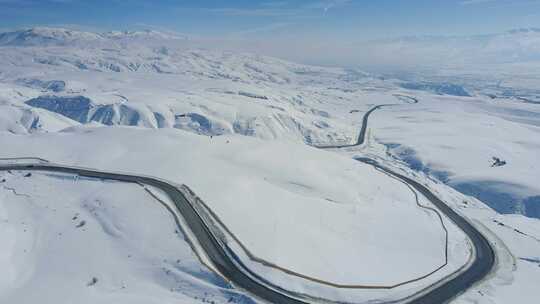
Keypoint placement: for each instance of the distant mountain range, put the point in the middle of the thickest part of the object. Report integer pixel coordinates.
(45, 36)
(514, 52)
(514, 46)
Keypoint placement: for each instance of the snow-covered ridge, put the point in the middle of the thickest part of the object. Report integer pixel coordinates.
(48, 36)
(44, 36)
(146, 34)
(207, 92)
(525, 30)
(152, 52)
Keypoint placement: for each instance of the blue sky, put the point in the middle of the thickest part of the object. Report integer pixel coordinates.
(339, 19)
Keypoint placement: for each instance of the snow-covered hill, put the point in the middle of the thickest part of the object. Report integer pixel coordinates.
(43, 36)
(150, 103)
(175, 87)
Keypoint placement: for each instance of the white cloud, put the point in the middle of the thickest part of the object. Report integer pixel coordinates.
(469, 2)
(326, 5)
(278, 9)
(271, 12)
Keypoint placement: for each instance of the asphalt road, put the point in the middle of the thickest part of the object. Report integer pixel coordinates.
(484, 254)
(361, 135)
(231, 267)
(484, 257)
(222, 257)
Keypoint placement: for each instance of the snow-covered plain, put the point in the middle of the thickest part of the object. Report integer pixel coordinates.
(234, 127)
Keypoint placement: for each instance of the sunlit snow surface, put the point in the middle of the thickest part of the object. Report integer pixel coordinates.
(311, 206)
(59, 232)
(234, 127)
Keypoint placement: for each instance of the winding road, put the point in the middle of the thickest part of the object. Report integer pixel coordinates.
(230, 266)
(484, 258)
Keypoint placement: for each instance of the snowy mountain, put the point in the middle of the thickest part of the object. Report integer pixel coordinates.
(43, 36)
(240, 129)
(142, 35)
(243, 78)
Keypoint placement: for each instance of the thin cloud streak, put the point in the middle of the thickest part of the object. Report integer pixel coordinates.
(472, 2)
(276, 9)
